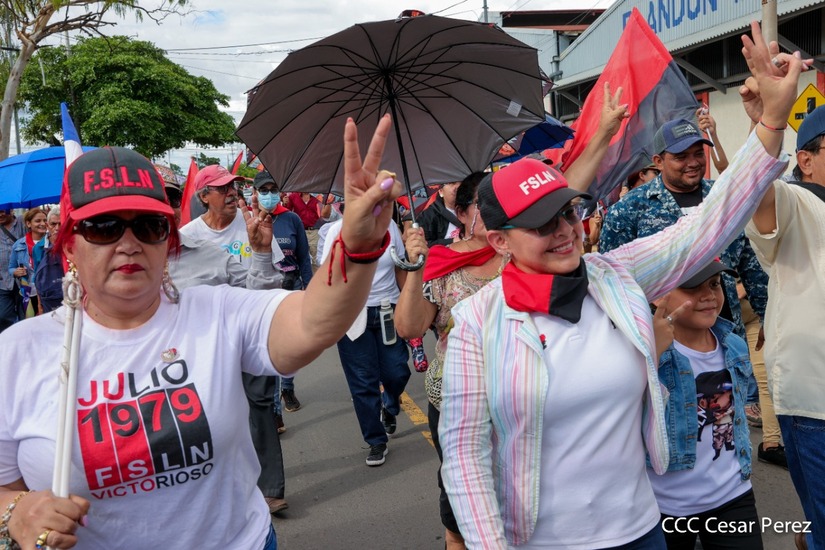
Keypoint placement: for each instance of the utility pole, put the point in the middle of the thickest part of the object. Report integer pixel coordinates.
(485, 12)
(769, 24)
(11, 51)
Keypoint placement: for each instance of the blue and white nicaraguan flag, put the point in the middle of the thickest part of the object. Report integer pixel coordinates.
(71, 141)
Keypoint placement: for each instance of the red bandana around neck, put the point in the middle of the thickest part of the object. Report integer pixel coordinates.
(559, 295)
(443, 260)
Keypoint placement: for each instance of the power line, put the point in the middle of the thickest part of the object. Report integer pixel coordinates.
(234, 61)
(243, 45)
(265, 52)
(256, 78)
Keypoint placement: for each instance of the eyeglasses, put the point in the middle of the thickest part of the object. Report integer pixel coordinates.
(267, 191)
(571, 214)
(148, 229)
(223, 189)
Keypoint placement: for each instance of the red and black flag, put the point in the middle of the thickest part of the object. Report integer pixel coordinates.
(655, 91)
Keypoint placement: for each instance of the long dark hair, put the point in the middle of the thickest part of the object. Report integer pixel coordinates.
(466, 194)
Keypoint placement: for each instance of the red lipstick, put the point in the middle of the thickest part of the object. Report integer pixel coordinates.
(130, 268)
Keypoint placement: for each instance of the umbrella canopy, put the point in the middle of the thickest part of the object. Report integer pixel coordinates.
(456, 89)
(33, 178)
(550, 134)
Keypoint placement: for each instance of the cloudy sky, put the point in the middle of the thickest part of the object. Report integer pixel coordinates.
(235, 44)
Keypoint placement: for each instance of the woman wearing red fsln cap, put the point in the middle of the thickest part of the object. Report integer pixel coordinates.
(162, 456)
(551, 401)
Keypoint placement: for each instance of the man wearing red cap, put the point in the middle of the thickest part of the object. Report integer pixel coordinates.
(223, 223)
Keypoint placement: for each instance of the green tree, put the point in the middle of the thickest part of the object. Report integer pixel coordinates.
(125, 92)
(202, 160)
(247, 171)
(31, 22)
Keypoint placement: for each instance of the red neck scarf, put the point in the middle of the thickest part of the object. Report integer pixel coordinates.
(280, 209)
(443, 260)
(30, 244)
(559, 295)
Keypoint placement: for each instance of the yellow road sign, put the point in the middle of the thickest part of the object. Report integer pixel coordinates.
(808, 100)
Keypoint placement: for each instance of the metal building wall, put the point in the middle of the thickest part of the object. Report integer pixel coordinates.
(678, 23)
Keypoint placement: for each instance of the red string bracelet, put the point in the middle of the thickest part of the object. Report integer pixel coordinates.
(354, 257)
(771, 128)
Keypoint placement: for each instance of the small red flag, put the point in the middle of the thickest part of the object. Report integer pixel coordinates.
(237, 165)
(188, 193)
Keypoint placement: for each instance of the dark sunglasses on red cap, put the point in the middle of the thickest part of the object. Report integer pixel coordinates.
(148, 229)
(572, 214)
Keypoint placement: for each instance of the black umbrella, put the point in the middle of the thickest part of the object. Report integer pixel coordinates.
(456, 89)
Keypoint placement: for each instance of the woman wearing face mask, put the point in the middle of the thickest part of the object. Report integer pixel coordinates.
(288, 232)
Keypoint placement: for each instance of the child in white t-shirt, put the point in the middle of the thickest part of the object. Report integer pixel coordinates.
(706, 490)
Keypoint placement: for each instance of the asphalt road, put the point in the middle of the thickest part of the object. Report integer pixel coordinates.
(337, 502)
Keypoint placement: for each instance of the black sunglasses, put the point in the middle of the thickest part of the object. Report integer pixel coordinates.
(571, 214)
(149, 229)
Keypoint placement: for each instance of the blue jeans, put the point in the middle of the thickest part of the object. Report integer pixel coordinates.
(283, 384)
(271, 542)
(8, 308)
(368, 363)
(804, 440)
(753, 390)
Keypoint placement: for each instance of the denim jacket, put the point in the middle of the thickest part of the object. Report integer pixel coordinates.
(19, 257)
(676, 374)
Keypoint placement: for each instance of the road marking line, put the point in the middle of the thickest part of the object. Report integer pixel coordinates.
(416, 415)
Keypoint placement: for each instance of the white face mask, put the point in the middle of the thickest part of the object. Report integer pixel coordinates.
(247, 194)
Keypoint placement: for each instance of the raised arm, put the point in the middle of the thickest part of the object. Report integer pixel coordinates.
(581, 173)
(708, 125)
(262, 273)
(775, 78)
(308, 322)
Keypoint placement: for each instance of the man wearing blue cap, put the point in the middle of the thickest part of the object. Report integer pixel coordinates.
(788, 233)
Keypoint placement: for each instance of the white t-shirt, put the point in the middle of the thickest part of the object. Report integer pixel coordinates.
(715, 478)
(594, 489)
(233, 238)
(162, 451)
(384, 284)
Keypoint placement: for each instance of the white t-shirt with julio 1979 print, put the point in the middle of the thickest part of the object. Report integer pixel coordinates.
(162, 449)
